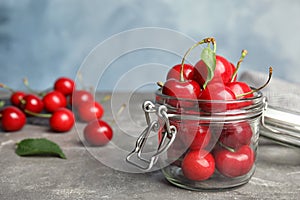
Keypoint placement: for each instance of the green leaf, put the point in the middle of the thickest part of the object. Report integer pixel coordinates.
(209, 58)
(39, 147)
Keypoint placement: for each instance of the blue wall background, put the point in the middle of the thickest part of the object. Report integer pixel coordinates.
(45, 39)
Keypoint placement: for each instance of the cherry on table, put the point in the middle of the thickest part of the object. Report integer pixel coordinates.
(90, 111)
(98, 133)
(16, 98)
(198, 165)
(12, 118)
(62, 120)
(80, 96)
(32, 103)
(54, 100)
(64, 85)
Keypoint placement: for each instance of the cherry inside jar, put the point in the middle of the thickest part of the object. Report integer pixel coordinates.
(216, 141)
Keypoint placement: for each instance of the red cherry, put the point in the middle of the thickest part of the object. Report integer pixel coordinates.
(32, 103)
(234, 164)
(90, 111)
(64, 85)
(235, 135)
(62, 120)
(243, 91)
(195, 136)
(54, 100)
(222, 73)
(239, 88)
(198, 165)
(187, 89)
(216, 92)
(12, 118)
(98, 133)
(16, 98)
(174, 72)
(80, 96)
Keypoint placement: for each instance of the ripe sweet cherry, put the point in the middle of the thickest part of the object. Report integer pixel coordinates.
(80, 96)
(12, 118)
(222, 73)
(54, 100)
(198, 165)
(187, 89)
(188, 72)
(235, 135)
(98, 133)
(90, 111)
(234, 163)
(213, 98)
(32, 103)
(64, 85)
(62, 120)
(17, 97)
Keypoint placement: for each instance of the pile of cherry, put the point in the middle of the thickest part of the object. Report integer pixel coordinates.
(211, 78)
(60, 105)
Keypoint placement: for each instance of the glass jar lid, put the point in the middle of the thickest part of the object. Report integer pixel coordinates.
(282, 126)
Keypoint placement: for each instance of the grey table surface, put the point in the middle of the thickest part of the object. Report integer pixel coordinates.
(83, 176)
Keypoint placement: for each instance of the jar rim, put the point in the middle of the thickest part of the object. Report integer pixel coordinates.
(213, 110)
(257, 96)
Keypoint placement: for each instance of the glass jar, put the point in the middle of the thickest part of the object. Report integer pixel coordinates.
(203, 145)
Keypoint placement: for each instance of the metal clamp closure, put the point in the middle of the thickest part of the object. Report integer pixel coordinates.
(165, 142)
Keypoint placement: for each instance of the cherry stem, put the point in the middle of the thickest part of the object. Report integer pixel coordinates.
(243, 55)
(120, 111)
(160, 84)
(105, 98)
(80, 79)
(7, 88)
(41, 93)
(26, 83)
(43, 115)
(206, 40)
(261, 87)
(226, 147)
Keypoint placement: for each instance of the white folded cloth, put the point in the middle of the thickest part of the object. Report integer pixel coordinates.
(280, 93)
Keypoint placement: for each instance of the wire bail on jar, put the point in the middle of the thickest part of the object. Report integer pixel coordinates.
(147, 163)
(280, 125)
